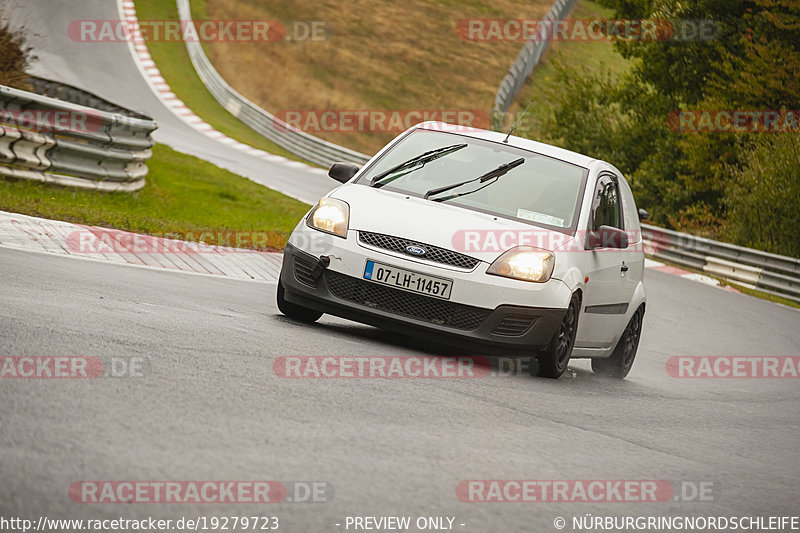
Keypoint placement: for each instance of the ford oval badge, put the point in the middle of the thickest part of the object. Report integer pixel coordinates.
(416, 250)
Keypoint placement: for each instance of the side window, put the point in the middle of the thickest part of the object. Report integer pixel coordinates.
(607, 211)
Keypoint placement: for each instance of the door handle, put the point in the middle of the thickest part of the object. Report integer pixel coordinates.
(624, 267)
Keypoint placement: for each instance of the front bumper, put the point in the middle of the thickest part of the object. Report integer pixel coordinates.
(501, 329)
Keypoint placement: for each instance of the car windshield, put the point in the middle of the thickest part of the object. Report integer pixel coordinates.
(541, 190)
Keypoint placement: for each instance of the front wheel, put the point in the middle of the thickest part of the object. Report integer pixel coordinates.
(621, 361)
(553, 362)
(294, 311)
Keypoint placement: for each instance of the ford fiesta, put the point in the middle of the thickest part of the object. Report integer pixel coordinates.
(475, 238)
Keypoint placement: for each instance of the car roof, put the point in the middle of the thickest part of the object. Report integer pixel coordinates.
(518, 142)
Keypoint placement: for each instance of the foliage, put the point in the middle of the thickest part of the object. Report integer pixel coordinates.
(700, 182)
(762, 198)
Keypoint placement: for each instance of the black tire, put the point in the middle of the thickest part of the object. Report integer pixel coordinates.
(294, 311)
(553, 361)
(621, 360)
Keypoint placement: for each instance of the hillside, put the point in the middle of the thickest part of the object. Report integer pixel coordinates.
(380, 55)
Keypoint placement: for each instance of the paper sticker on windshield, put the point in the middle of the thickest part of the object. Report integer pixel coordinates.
(542, 218)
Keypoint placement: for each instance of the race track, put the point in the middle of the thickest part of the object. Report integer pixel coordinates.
(211, 406)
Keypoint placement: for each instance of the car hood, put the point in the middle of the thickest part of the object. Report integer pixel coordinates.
(472, 233)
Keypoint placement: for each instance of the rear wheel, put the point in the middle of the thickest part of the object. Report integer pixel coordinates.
(553, 362)
(294, 311)
(621, 361)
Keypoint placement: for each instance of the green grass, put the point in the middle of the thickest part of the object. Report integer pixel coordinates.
(176, 68)
(183, 195)
(592, 56)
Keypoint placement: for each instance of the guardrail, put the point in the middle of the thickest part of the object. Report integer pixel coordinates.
(297, 142)
(70, 93)
(51, 140)
(771, 273)
(529, 57)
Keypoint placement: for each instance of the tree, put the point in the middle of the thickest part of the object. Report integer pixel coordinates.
(762, 198)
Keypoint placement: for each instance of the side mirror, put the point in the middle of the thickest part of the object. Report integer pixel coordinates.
(643, 215)
(342, 172)
(606, 237)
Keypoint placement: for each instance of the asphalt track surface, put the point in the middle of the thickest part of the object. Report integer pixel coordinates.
(210, 406)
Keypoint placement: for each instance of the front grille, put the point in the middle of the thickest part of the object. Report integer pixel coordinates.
(513, 325)
(440, 312)
(432, 253)
(302, 271)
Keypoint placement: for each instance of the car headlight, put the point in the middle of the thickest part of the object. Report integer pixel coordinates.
(526, 263)
(331, 216)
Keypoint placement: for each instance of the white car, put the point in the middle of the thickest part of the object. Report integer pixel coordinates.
(476, 238)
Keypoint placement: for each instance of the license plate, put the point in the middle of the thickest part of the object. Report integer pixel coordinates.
(408, 280)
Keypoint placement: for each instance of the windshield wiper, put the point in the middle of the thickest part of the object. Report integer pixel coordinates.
(421, 160)
(496, 173)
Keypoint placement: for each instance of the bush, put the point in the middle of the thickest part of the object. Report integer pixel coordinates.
(762, 197)
(622, 122)
(15, 56)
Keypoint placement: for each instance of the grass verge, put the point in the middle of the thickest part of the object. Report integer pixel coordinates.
(184, 196)
(593, 56)
(176, 68)
(763, 295)
(373, 57)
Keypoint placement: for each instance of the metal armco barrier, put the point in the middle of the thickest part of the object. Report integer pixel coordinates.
(529, 57)
(297, 142)
(51, 140)
(72, 94)
(772, 273)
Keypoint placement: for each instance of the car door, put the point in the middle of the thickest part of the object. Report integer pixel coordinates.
(607, 293)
